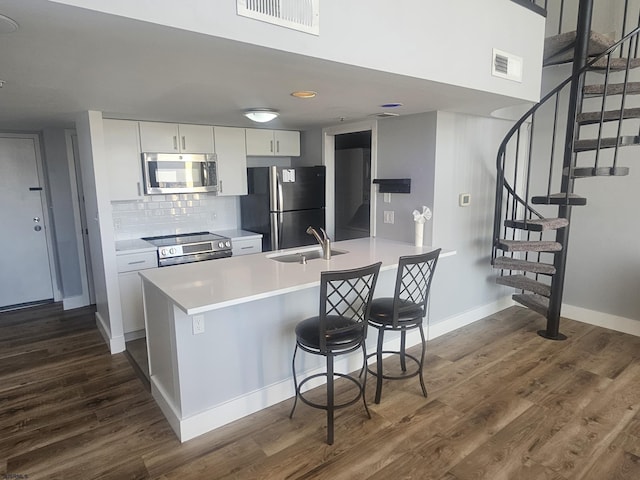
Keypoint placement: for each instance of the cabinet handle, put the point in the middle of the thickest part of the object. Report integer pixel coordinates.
(271, 146)
(220, 186)
(139, 191)
(136, 262)
(175, 142)
(184, 143)
(278, 146)
(246, 248)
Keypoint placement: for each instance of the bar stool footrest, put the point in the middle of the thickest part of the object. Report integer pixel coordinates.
(325, 407)
(395, 377)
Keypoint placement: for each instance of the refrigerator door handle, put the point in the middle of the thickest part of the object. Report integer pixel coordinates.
(276, 229)
(275, 189)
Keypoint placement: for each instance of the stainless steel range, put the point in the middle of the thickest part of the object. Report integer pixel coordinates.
(190, 247)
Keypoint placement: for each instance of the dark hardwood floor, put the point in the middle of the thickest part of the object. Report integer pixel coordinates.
(503, 404)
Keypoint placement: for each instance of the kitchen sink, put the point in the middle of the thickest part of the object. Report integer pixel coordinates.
(302, 256)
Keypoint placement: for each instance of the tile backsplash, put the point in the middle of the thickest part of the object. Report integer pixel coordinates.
(168, 214)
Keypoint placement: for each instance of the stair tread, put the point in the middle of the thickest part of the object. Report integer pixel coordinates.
(559, 48)
(535, 302)
(608, 142)
(587, 118)
(616, 64)
(523, 282)
(587, 172)
(517, 264)
(537, 224)
(529, 246)
(559, 199)
(612, 89)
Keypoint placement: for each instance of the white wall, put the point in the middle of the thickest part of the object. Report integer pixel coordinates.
(446, 41)
(100, 226)
(406, 149)
(465, 162)
(446, 154)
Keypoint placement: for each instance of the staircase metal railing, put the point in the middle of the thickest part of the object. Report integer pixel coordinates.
(524, 154)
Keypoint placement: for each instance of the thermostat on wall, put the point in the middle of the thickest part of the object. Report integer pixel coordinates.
(464, 199)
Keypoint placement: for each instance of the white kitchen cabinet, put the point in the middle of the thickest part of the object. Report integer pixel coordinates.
(269, 143)
(231, 160)
(124, 161)
(246, 246)
(131, 288)
(161, 137)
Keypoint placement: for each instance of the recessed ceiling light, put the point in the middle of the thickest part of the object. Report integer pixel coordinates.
(304, 94)
(7, 25)
(261, 115)
(391, 105)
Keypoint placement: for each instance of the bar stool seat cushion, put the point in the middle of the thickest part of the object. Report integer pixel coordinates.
(340, 331)
(382, 312)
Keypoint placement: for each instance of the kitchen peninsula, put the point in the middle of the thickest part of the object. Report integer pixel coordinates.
(220, 334)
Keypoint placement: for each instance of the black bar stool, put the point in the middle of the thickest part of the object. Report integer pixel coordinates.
(405, 311)
(340, 328)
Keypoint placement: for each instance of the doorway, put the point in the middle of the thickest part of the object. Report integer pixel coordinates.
(352, 185)
(26, 273)
(367, 130)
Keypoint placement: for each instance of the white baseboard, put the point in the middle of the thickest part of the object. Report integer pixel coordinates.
(600, 319)
(466, 318)
(117, 344)
(198, 424)
(135, 335)
(74, 302)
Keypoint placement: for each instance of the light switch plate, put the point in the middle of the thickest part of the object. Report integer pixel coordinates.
(464, 199)
(386, 197)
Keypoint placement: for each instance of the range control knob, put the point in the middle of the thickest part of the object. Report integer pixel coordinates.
(172, 251)
(163, 252)
(227, 244)
(220, 244)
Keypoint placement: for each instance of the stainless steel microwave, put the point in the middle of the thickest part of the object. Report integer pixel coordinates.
(179, 173)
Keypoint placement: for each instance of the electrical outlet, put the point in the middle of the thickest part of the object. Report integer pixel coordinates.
(198, 324)
(388, 216)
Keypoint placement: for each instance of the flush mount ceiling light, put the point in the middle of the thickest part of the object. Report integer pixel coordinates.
(304, 94)
(7, 25)
(261, 115)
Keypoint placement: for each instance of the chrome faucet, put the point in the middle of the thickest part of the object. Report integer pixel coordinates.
(324, 242)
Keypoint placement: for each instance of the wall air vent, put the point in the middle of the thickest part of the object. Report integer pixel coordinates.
(506, 65)
(302, 15)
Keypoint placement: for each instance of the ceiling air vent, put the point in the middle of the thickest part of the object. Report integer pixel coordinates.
(506, 65)
(302, 15)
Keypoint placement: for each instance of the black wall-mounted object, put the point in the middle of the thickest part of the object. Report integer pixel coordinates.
(393, 185)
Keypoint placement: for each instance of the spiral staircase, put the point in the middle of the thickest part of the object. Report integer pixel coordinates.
(575, 132)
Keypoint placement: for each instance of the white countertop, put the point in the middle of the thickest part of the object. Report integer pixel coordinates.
(136, 245)
(199, 287)
(238, 234)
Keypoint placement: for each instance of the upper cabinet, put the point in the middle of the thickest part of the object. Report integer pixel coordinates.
(176, 138)
(231, 160)
(124, 163)
(269, 143)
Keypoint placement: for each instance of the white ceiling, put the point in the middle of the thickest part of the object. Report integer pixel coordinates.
(64, 60)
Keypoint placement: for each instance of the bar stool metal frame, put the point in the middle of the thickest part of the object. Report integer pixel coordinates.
(405, 311)
(340, 328)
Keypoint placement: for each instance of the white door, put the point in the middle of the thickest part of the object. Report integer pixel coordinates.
(25, 275)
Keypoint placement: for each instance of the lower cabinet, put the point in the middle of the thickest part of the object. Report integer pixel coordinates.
(131, 289)
(247, 246)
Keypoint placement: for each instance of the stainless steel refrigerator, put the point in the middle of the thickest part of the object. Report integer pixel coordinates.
(282, 202)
